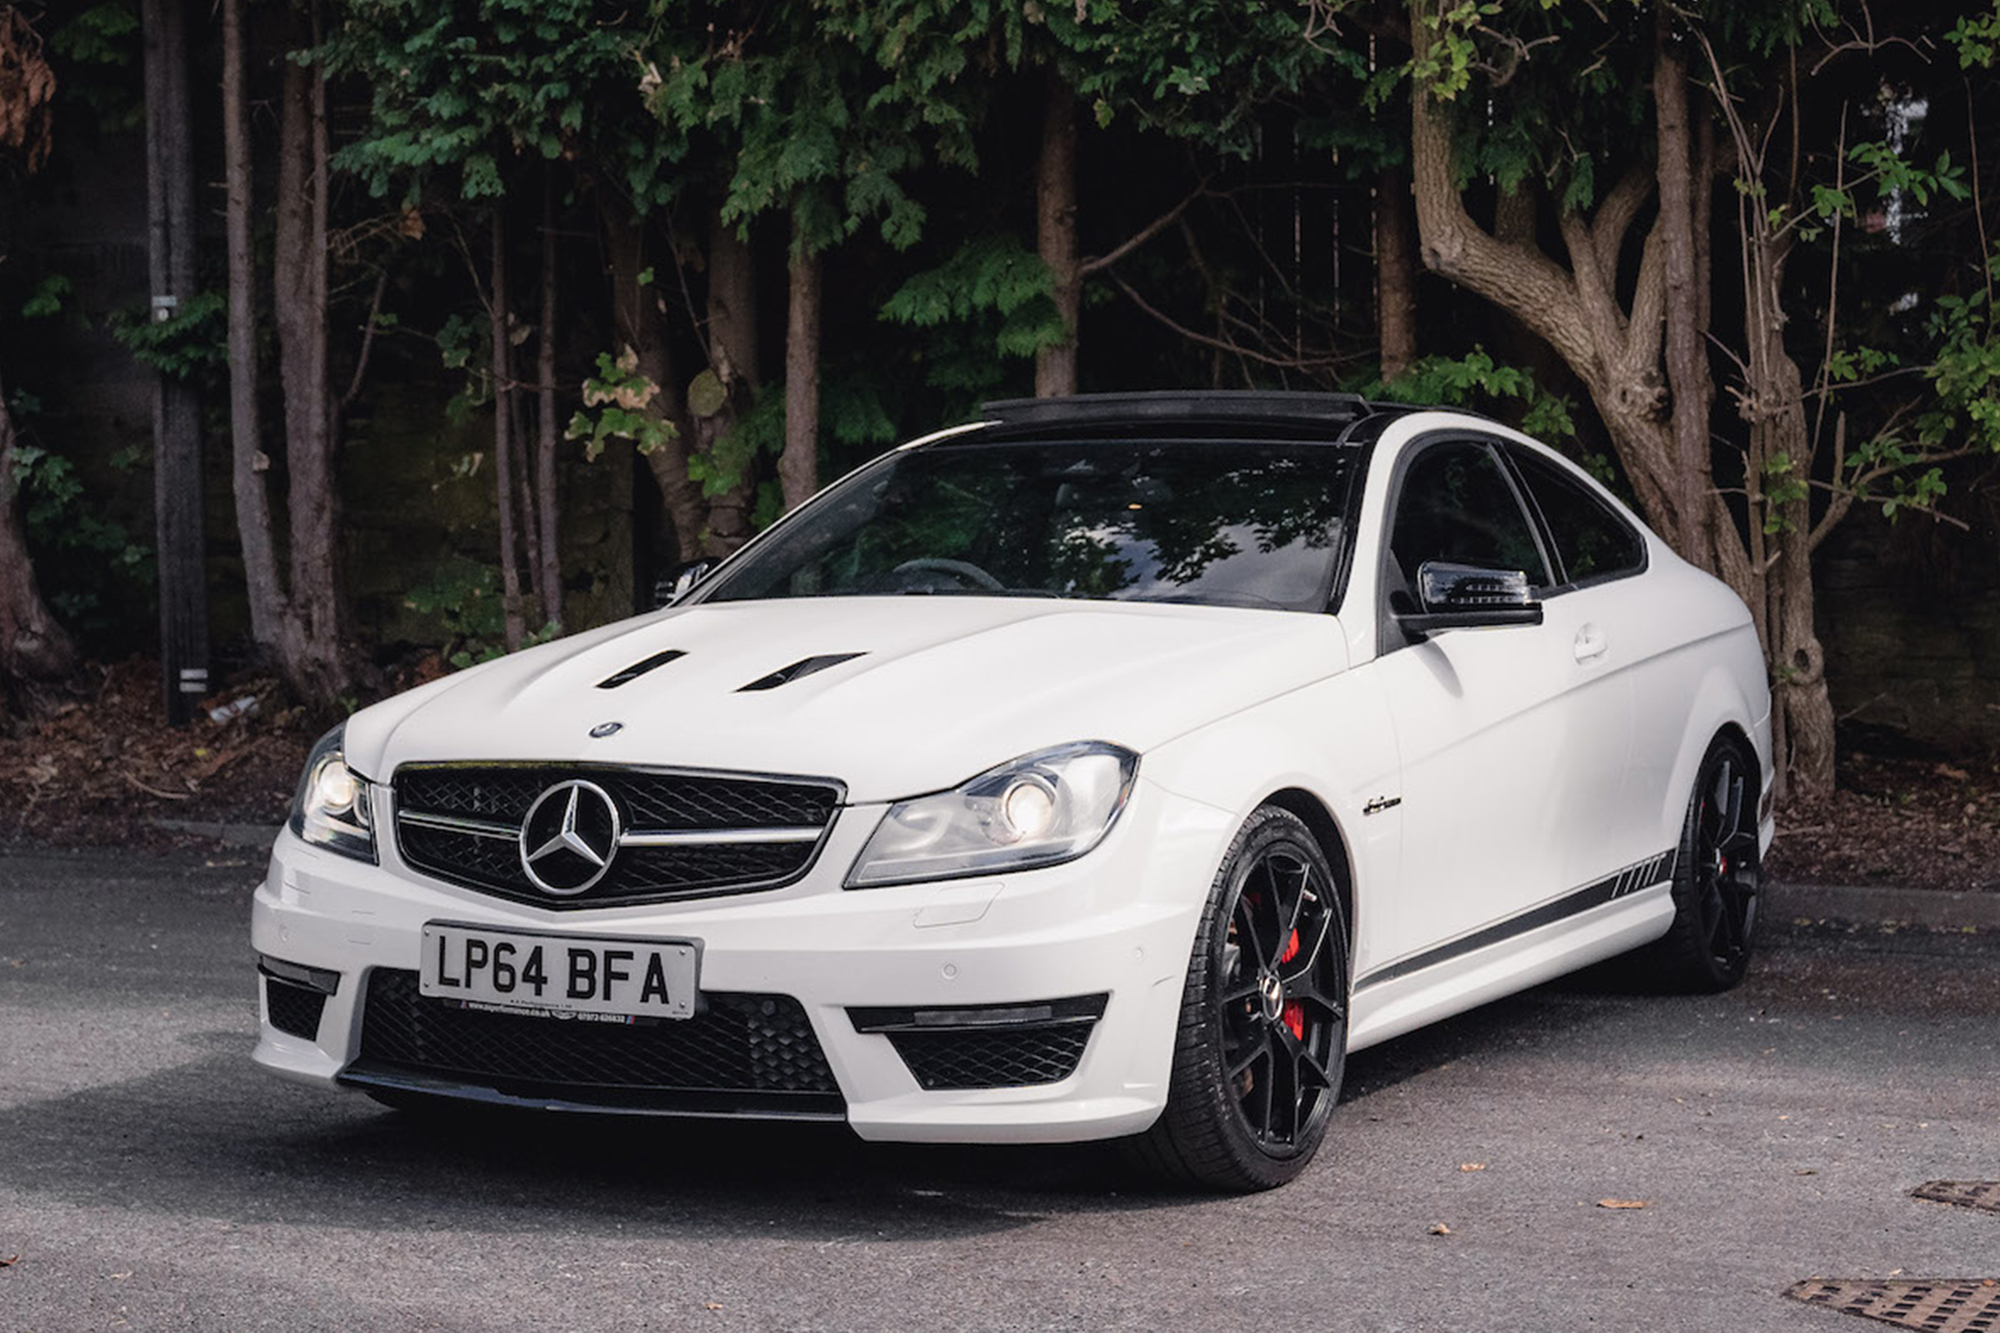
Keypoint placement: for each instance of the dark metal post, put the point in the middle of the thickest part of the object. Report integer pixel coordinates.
(177, 488)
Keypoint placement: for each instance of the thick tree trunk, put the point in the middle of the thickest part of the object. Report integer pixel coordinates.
(1686, 338)
(732, 354)
(548, 433)
(1055, 234)
(178, 511)
(248, 462)
(1802, 722)
(1395, 274)
(642, 327)
(798, 466)
(317, 656)
(34, 649)
(503, 440)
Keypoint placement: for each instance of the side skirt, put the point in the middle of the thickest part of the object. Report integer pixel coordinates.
(1583, 926)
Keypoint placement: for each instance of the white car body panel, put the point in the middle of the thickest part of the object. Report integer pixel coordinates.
(1472, 781)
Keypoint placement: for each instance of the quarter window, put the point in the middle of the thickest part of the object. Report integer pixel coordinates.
(1458, 506)
(1592, 542)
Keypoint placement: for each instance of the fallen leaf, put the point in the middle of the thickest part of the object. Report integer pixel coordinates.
(1622, 1203)
(1805, 1171)
(1440, 1229)
(10, 1261)
(711, 1305)
(1472, 1166)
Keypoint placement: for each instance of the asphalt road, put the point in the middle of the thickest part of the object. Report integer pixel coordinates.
(150, 1178)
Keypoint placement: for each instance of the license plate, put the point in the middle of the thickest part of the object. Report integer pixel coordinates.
(560, 975)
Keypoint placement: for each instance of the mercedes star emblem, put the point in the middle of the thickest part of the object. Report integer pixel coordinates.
(569, 837)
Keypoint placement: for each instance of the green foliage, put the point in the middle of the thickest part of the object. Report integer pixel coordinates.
(192, 341)
(1477, 381)
(615, 407)
(1976, 39)
(732, 459)
(465, 597)
(458, 92)
(47, 299)
(993, 282)
(98, 50)
(94, 572)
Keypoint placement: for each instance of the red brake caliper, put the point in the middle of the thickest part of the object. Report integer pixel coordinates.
(1295, 1012)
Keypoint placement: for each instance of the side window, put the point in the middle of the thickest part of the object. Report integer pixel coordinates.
(1457, 505)
(1591, 541)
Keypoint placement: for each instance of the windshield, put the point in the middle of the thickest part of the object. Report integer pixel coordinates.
(1220, 522)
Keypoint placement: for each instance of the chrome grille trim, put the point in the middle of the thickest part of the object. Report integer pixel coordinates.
(454, 824)
(691, 833)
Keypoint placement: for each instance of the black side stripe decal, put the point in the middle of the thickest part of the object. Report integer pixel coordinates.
(1654, 870)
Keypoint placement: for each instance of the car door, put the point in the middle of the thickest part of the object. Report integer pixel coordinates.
(1616, 634)
(1503, 739)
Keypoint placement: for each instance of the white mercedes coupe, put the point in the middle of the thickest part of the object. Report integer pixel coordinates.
(1108, 768)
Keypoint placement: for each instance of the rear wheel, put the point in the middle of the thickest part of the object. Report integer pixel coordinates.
(1718, 876)
(1263, 1031)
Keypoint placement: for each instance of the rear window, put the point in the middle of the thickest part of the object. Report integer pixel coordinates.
(1591, 540)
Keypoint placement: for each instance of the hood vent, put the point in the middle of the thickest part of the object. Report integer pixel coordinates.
(805, 666)
(639, 668)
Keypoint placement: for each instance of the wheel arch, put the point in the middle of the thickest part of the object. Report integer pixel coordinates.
(1326, 831)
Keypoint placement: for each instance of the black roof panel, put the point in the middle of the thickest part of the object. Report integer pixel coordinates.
(1198, 411)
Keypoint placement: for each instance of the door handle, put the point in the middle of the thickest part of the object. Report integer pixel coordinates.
(1591, 644)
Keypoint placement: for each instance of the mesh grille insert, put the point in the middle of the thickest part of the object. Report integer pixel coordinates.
(294, 1009)
(992, 1058)
(741, 1052)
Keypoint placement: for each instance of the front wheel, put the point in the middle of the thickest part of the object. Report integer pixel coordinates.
(1718, 877)
(1263, 1029)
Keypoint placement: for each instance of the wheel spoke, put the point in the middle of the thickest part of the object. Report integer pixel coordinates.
(1242, 1066)
(1246, 933)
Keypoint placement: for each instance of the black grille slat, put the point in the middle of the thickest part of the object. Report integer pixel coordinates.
(293, 1009)
(758, 1049)
(501, 795)
(992, 1058)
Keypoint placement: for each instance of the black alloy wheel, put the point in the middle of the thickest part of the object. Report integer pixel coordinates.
(1718, 876)
(1263, 1034)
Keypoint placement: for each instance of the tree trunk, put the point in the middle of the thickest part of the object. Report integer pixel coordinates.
(34, 649)
(798, 466)
(1686, 338)
(641, 326)
(318, 663)
(732, 354)
(268, 609)
(1395, 274)
(179, 544)
(503, 440)
(548, 434)
(1055, 235)
(1802, 722)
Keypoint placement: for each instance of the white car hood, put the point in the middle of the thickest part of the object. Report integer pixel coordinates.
(944, 687)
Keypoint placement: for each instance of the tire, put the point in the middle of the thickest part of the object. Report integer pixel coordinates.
(1261, 1046)
(1718, 878)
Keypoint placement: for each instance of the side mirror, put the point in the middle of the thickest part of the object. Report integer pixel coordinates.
(683, 579)
(1469, 597)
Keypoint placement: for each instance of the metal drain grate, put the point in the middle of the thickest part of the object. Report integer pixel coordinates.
(1980, 1194)
(1935, 1305)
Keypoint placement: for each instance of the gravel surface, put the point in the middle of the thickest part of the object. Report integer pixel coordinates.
(150, 1178)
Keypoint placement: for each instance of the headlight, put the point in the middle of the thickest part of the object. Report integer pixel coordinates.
(1039, 810)
(331, 808)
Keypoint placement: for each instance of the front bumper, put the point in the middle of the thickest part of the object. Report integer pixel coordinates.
(1118, 922)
